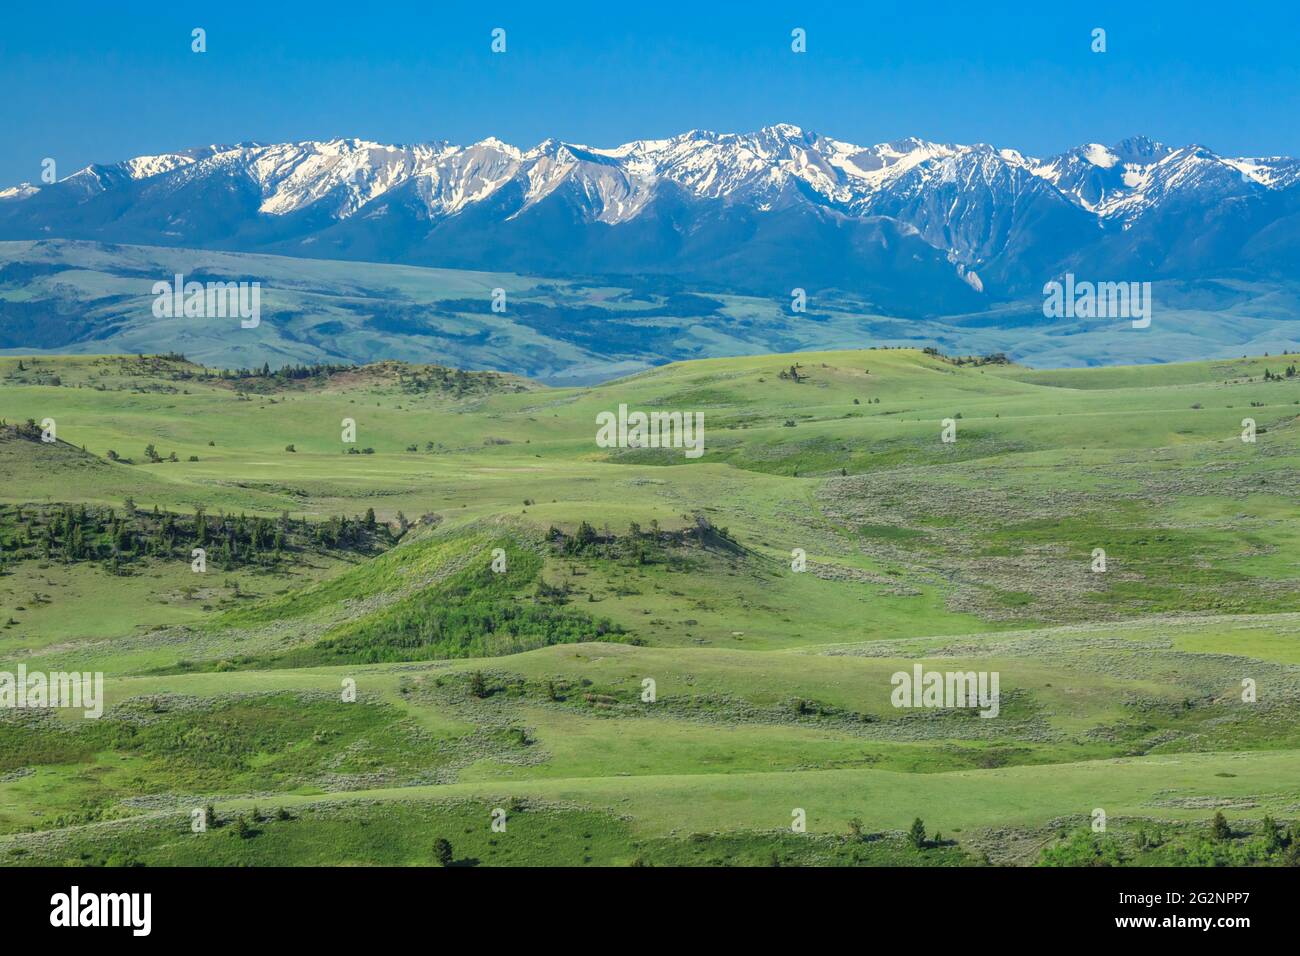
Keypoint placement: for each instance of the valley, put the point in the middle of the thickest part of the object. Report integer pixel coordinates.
(60, 297)
(456, 615)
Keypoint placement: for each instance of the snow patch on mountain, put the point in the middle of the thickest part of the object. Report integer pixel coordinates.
(21, 191)
(974, 203)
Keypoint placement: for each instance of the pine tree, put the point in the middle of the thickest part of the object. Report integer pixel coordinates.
(442, 851)
(917, 834)
(1219, 828)
(1272, 835)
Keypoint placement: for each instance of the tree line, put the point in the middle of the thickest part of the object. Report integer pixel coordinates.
(75, 533)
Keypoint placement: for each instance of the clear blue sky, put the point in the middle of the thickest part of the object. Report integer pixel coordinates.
(101, 83)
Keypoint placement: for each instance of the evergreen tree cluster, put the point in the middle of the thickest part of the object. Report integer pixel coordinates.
(72, 533)
(642, 546)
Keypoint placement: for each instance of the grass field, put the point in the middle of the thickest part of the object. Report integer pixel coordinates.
(475, 612)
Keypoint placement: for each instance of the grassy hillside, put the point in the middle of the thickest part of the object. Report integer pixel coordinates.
(65, 297)
(645, 657)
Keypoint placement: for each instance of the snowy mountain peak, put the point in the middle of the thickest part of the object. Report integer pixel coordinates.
(347, 174)
(1139, 149)
(973, 205)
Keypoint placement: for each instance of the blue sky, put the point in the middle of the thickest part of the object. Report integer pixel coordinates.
(101, 83)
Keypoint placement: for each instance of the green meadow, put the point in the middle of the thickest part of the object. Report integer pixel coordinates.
(437, 622)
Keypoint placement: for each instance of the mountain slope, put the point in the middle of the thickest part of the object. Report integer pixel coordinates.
(903, 224)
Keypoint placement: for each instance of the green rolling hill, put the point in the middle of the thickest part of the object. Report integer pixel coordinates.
(499, 588)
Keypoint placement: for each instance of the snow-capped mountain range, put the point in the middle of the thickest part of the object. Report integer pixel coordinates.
(915, 225)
